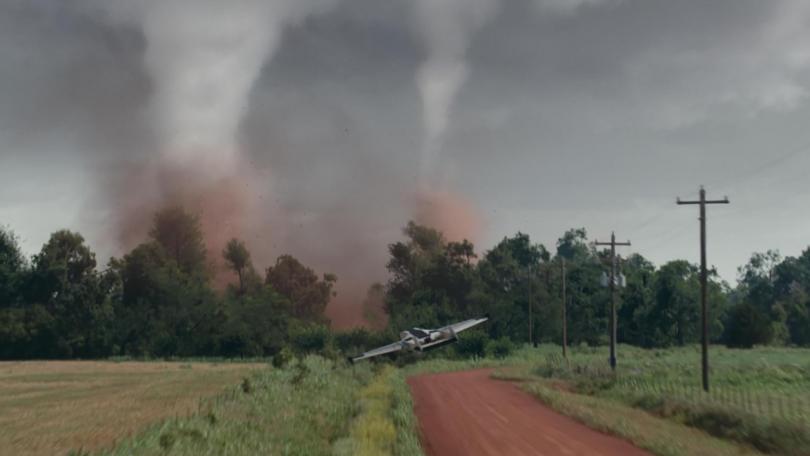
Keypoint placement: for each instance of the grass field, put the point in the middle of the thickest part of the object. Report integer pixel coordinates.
(760, 403)
(759, 398)
(311, 407)
(300, 410)
(769, 382)
(51, 407)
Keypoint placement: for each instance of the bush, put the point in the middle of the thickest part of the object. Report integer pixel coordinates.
(356, 340)
(284, 356)
(500, 348)
(472, 344)
(772, 436)
(584, 378)
(748, 326)
(310, 339)
(247, 386)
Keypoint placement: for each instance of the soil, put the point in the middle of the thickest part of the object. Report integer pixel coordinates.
(468, 413)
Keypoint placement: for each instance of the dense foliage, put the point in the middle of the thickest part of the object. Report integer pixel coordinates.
(160, 299)
(519, 283)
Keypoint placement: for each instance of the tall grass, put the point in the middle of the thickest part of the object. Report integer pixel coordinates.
(778, 404)
(404, 418)
(758, 397)
(302, 409)
(659, 436)
(768, 383)
(386, 424)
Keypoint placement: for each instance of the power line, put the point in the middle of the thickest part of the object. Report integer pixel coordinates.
(668, 236)
(723, 183)
(657, 215)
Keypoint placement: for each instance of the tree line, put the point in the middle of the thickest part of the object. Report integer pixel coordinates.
(158, 300)
(162, 299)
(518, 283)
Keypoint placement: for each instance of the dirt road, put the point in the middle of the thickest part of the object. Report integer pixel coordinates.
(467, 413)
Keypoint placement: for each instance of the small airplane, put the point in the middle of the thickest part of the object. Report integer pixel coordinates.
(422, 339)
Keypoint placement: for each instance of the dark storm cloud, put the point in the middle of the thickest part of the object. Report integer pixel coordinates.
(593, 113)
(69, 76)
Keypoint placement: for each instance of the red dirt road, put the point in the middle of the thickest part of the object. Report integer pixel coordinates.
(468, 413)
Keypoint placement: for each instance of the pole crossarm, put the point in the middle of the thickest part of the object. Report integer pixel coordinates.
(617, 244)
(722, 201)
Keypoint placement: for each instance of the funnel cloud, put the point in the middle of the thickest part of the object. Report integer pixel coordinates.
(446, 28)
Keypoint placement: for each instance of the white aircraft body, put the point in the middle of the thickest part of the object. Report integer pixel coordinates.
(420, 339)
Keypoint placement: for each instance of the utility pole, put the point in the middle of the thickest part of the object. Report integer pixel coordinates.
(613, 245)
(704, 341)
(531, 321)
(564, 319)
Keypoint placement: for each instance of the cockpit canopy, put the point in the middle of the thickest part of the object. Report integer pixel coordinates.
(418, 332)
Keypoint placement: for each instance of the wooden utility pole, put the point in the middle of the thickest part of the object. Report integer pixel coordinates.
(704, 341)
(613, 245)
(564, 319)
(531, 321)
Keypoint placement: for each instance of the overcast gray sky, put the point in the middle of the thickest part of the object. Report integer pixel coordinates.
(588, 113)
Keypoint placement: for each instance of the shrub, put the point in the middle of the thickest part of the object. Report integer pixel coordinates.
(283, 357)
(310, 339)
(500, 348)
(247, 386)
(167, 441)
(748, 326)
(352, 341)
(772, 436)
(472, 344)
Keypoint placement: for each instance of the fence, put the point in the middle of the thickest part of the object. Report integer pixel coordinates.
(790, 404)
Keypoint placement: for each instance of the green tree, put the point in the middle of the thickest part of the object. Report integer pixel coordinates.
(237, 258)
(65, 283)
(180, 235)
(308, 295)
(757, 284)
(777, 287)
(748, 326)
(588, 303)
(164, 311)
(573, 245)
(431, 279)
(637, 299)
(674, 317)
(12, 269)
(797, 318)
(514, 276)
(255, 324)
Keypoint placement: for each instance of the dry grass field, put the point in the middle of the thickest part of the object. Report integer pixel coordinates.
(51, 407)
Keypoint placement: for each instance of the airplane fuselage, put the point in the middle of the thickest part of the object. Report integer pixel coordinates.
(424, 339)
(419, 339)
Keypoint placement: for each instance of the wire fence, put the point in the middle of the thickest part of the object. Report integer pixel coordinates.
(786, 404)
(783, 402)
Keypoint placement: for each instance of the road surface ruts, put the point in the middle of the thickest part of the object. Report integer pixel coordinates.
(467, 413)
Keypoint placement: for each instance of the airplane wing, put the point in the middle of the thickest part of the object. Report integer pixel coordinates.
(384, 350)
(463, 325)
